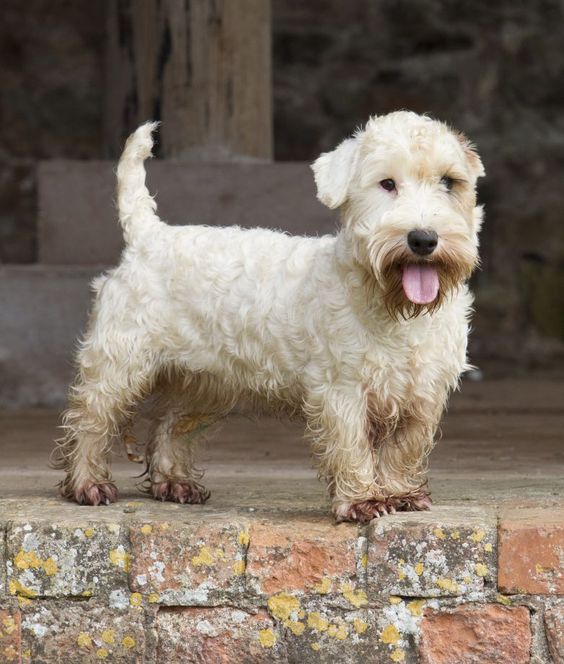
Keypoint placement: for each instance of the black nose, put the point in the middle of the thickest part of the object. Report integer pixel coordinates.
(422, 242)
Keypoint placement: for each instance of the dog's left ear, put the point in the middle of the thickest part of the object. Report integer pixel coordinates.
(472, 157)
(333, 173)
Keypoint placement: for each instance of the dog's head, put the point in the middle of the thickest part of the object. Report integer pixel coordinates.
(407, 187)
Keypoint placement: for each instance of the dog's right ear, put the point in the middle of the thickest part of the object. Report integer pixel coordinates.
(333, 173)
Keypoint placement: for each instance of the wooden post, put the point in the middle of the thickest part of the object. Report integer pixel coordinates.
(202, 67)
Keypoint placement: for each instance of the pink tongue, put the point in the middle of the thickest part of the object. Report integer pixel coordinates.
(420, 283)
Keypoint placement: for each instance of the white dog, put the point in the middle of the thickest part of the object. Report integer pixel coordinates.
(363, 333)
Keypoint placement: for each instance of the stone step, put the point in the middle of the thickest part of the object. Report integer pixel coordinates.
(77, 217)
(43, 311)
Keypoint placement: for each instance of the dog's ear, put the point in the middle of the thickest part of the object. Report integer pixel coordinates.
(333, 172)
(472, 157)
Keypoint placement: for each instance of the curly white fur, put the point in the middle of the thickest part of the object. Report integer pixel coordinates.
(315, 326)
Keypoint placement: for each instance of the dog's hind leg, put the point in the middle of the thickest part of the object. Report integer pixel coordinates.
(114, 373)
(170, 456)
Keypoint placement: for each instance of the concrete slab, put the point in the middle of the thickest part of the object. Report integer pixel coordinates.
(78, 223)
(510, 457)
(43, 311)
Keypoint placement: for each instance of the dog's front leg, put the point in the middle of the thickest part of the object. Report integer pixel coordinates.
(369, 477)
(337, 425)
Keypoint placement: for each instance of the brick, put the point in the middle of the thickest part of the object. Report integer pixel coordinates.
(197, 564)
(476, 634)
(81, 633)
(10, 635)
(219, 635)
(315, 631)
(61, 560)
(554, 628)
(305, 556)
(445, 552)
(531, 550)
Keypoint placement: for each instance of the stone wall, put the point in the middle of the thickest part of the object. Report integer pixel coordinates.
(492, 69)
(147, 584)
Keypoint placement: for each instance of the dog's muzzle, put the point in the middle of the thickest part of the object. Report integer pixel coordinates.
(420, 281)
(422, 242)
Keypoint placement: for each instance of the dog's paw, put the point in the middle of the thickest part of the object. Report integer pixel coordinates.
(180, 492)
(417, 502)
(366, 510)
(94, 493)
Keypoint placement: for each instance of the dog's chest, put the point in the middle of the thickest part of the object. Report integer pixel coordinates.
(417, 363)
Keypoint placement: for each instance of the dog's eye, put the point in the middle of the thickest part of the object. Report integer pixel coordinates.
(448, 182)
(388, 184)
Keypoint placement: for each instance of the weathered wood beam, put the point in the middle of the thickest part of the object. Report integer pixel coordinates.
(202, 67)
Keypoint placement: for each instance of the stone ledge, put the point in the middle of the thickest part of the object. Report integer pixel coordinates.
(143, 582)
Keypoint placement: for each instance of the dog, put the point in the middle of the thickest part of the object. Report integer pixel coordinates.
(363, 334)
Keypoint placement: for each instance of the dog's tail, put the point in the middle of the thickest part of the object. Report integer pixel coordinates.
(136, 207)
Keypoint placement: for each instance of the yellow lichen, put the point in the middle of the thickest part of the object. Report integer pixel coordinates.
(502, 599)
(316, 622)
(455, 535)
(153, 598)
(282, 606)
(26, 654)
(204, 558)
(315, 646)
(16, 588)
(416, 606)
(390, 634)
(488, 547)
(295, 627)
(398, 655)
(447, 584)
(88, 532)
(128, 642)
(113, 528)
(481, 569)
(135, 599)
(342, 632)
(439, 533)
(539, 569)
(27, 559)
(102, 653)
(84, 640)
(146, 529)
(267, 638)
(9, 624)
(360, 626)
(24, 601)
(109, 636)
(419, 567)
(401, 575)
(120, 558)
(50, 567)
(10, 654)
(394, 600)
(477, 536)
(243, 538)
(364, 560)
(239, 567)
(356, 597)
(324, 586)
(164, 526)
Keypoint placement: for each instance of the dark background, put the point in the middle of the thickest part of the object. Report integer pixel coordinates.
(495, 70)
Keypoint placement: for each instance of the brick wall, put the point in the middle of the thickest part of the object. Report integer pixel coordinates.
(150, 585)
